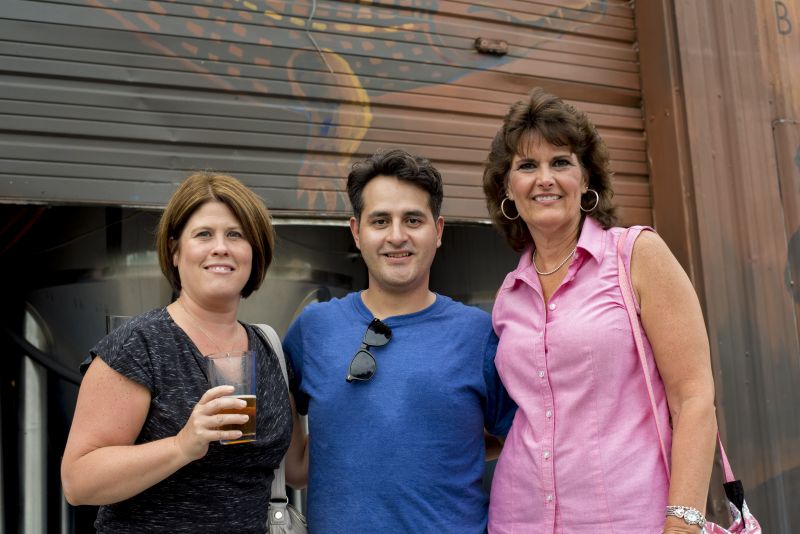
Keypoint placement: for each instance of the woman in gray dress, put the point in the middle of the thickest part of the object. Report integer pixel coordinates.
(144, 442)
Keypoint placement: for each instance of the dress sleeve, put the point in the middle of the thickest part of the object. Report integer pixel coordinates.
(127, 351)
(293, 345)
(500, 409)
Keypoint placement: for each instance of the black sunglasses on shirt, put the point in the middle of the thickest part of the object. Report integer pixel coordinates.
(363, 365)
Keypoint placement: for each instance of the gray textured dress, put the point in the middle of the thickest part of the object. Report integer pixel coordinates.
(228, 489)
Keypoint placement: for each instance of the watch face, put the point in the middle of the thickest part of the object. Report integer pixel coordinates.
(691, 516)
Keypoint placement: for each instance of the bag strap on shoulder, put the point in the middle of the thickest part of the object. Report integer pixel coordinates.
(279, 481)
(627, 297)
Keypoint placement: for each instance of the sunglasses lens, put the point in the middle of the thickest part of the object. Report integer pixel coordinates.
(378, 334)
(362, 367)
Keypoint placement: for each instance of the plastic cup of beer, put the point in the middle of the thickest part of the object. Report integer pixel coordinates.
(237, 369)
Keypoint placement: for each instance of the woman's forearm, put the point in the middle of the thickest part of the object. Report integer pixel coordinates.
(112, 474)
(693, 444)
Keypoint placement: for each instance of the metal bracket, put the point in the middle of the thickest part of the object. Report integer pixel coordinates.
(496, 47)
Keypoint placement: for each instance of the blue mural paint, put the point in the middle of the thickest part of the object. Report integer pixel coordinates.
(326, 126)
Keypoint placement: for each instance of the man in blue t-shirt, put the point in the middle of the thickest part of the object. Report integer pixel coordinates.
(398, 382)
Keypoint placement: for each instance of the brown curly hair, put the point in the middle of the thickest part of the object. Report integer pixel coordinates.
(559, 124)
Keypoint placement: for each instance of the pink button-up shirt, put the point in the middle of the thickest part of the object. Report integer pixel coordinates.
(582, 455)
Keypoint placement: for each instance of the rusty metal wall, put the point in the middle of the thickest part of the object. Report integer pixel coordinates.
(787, 148)
(113, 102)
(783, 45)
(721, 94)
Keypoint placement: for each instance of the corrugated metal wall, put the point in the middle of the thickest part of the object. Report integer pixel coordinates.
(726, 185)
(114, 101)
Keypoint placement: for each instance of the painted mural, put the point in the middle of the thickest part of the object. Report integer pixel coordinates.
(334, 59)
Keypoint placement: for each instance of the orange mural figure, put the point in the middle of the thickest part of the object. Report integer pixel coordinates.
(331, 60)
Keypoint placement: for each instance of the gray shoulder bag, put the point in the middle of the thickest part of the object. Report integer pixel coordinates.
(282, 517)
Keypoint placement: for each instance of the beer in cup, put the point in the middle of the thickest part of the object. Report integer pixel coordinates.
(237, 369)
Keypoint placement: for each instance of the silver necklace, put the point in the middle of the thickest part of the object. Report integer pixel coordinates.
(560, 265)
(197, 324)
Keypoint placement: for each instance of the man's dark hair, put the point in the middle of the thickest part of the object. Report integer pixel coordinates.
(403, 166)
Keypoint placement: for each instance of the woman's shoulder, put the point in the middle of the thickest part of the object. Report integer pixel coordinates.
(649, 251)
(133, 341)
(521, 272)
(156, 317)
(635, 230)
(262, 332)
(638, 238)
(150, 325)
(633, 237)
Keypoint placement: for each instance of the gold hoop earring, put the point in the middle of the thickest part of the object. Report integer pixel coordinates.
(503, 210)
(596, 201)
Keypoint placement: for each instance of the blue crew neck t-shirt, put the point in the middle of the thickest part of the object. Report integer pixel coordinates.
(404, 451)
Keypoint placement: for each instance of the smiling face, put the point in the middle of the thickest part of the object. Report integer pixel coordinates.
(397, 235)
(546, 182)
(212, 256)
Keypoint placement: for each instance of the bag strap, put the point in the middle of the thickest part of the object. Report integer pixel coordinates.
(726, 465)
(279, 480)
(627, 297)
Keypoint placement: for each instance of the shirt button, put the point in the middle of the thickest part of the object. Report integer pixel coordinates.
(549, 498)
(548, 414)
(541, 374)
(552, 306)
(546, 455)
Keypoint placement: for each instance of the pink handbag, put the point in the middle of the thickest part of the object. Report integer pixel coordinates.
(743, 520)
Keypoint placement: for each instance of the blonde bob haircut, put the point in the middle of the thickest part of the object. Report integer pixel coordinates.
(249, 209)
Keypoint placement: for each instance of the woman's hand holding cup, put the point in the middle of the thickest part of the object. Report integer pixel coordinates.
(206, 420)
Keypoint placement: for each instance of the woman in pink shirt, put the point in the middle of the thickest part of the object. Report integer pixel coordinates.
(583, 453)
